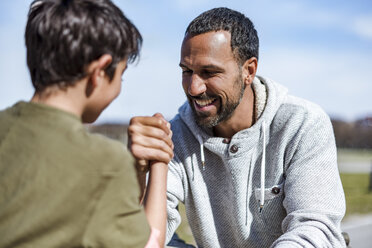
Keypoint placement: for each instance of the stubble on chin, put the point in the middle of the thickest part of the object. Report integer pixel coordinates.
(224, 112)
(203, 120)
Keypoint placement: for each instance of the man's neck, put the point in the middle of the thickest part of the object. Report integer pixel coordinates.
(242, 118)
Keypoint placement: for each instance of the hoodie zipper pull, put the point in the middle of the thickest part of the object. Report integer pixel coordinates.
(202, 155)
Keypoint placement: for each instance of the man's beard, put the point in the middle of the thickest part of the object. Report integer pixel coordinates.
(224, 112)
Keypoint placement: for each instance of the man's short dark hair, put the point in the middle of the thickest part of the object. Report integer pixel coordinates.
(64, 36)
(244, 39)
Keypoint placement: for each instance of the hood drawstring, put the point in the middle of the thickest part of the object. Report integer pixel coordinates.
(263, 164)
(201, 151)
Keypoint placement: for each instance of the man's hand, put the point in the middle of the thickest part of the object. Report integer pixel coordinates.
(150, 138)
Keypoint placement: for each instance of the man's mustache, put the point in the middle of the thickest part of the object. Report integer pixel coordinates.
(203, 96)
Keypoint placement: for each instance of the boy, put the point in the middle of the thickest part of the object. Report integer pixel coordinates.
(59, 185)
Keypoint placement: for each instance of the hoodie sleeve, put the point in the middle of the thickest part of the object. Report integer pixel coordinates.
(175, 194)
(315, 204)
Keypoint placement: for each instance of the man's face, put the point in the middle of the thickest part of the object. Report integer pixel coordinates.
(211, 77)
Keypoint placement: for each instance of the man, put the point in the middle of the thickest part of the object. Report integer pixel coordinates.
(254, 166)
(59, 185)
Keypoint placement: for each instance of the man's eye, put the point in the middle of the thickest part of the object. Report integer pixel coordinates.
(209, 73)
(186, 71)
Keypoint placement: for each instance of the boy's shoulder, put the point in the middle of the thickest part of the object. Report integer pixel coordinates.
(61, 137)
(111, 152)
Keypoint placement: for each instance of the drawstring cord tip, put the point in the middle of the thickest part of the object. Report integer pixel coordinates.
(263, 165)
(202, 152)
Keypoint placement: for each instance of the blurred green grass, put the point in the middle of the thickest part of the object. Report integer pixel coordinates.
(358, 197)
(354, 155)
(184, 231)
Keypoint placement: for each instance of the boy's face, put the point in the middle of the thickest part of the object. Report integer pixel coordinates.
(105, 93)
(113, 87)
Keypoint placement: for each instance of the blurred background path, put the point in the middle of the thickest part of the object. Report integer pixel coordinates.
(355, 167)
(359, 228)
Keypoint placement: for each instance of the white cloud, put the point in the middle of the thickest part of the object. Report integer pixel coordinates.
(300, 14)
(305, 14)
(363, 26)
(339, 82)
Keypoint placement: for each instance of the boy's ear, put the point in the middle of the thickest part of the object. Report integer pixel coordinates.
(96, 69)
(104, 61)
(96, 72)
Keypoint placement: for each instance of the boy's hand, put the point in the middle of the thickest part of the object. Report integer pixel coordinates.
(150, 138)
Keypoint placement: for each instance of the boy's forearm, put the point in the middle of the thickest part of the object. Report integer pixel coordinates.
(155, 199)
(142, 168)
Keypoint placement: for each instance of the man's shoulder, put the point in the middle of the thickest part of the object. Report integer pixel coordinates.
(297, 107)
(178, 125)
(288, 106)
(297, 117)
(176, 121)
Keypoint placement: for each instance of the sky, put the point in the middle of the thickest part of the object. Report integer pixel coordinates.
(319, 50)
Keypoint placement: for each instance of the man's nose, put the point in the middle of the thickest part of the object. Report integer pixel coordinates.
(197, 85)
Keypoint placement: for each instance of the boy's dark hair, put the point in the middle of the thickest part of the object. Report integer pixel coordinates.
(244, 39)
(64, 36)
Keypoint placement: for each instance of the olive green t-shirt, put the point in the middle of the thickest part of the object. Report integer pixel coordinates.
(61, 186)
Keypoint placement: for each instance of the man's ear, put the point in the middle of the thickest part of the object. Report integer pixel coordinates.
(249, 70)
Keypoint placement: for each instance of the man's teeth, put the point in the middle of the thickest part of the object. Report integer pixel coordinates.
(203, 102)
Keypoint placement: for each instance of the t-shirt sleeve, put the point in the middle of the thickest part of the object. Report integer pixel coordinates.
(118, 220)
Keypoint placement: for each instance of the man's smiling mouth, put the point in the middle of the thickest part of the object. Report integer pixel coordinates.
(204, 102)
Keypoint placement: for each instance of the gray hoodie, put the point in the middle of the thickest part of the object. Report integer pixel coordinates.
(274, 184)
